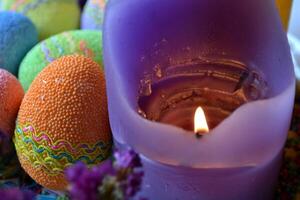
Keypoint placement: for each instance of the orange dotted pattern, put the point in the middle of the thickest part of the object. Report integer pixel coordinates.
(67, 100)
(11, 95)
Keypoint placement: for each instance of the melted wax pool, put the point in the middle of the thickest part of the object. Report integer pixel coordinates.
(172, 95)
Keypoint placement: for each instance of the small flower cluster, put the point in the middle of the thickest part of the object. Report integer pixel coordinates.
(119, 179)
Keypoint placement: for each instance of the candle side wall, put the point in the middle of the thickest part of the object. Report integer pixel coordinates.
(153, 32)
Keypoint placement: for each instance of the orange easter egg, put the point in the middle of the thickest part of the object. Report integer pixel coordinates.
(11, 95)
(63, 119)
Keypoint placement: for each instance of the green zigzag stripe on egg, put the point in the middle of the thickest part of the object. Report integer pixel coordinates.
(54, 161)
(88, 158)
(83, 42)
(29, 135)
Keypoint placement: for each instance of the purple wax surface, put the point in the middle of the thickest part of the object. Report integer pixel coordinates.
(222, 183)
(140, 35)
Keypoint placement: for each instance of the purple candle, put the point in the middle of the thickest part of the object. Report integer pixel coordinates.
(163, 59)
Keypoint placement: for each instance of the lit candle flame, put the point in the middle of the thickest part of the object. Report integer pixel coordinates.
(200, 124)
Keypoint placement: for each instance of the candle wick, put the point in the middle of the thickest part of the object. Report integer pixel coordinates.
(242, 79)
(199, 134)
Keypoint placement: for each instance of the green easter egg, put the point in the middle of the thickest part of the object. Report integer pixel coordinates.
(81, 42)
(49, 16)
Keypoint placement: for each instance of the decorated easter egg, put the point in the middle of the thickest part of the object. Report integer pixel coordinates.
(87, 43)
(17, 36)
(11, 95)
(93, 14)
(63, 119)
(49, 16)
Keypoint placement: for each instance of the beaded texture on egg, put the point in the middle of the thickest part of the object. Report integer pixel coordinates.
(93, 14)
(49, 16)
(17, 36)
(63, 119)
(81, 42)
(11, 95)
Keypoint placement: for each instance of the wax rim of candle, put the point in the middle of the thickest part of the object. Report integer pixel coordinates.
(203, 152)
(235, 156)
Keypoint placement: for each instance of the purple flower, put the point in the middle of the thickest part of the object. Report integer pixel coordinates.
(84, 182)
(133, 184)
(16, 194)
(127, 159)
(118, 180)
(74, 172)
(105, 168)
(130, 175)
